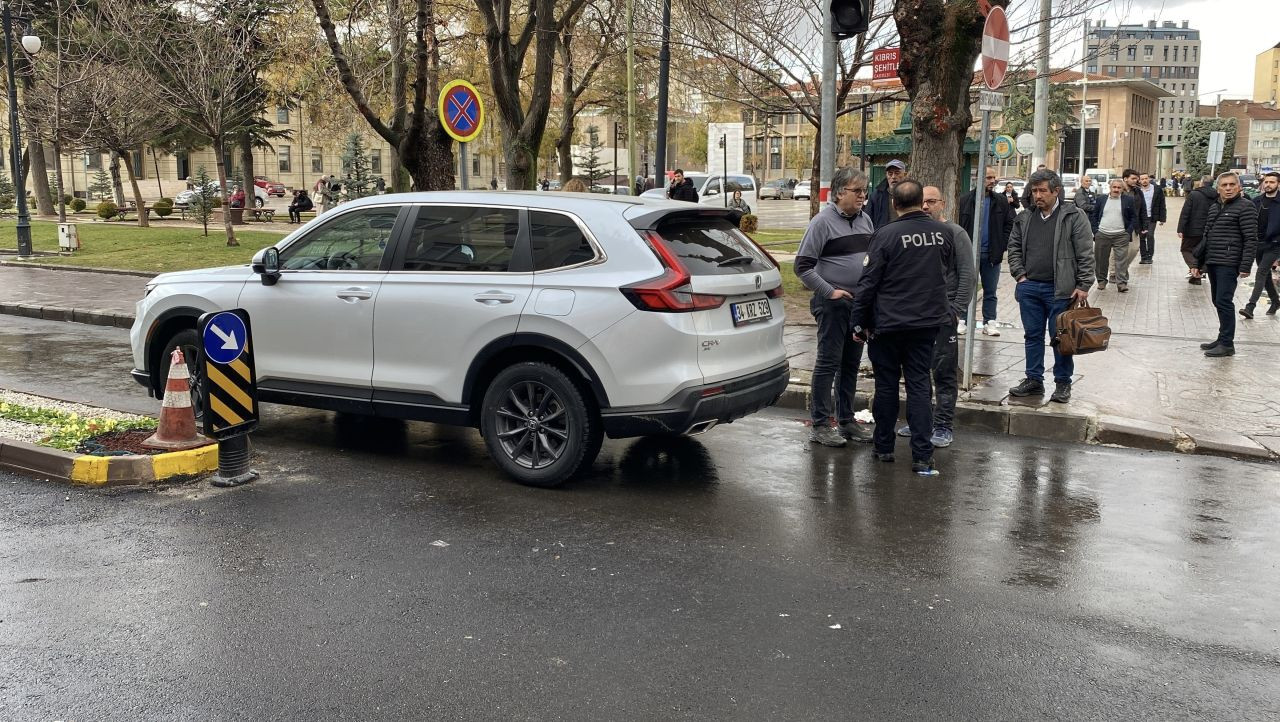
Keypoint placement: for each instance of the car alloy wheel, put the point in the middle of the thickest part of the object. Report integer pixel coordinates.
(533, 425)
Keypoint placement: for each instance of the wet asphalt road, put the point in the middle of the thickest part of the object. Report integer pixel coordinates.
(695, 578)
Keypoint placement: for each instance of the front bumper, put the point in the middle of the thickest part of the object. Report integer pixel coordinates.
(144, 380)
(691, 410)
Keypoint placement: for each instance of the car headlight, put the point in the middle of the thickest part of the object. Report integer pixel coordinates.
(147, 289)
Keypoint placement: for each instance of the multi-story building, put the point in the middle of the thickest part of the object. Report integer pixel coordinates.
(1266, 76)
(1257, 132)
(1166, 54)
(1121, 127)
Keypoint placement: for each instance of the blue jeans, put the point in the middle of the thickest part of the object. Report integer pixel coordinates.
(989, 273)
(1040, 311)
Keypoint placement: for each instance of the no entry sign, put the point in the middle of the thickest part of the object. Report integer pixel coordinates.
(461, 112)
(995, 48)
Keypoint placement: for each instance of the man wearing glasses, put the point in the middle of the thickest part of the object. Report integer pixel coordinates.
(829, 263)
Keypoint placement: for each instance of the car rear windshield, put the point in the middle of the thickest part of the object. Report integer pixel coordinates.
(712, 246)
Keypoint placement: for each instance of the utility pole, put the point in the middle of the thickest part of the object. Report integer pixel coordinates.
(827, 142)
(1040, 124)
(1084, 96)
(631, 97)
(664, 76)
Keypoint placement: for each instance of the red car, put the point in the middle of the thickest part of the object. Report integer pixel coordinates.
(271, 187)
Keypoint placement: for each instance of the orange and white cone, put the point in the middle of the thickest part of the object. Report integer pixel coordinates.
(177, 429)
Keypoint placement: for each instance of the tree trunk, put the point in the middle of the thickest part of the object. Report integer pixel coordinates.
(424, 153)
(116, 187)
(246, 165)
(219, 151)
(815, 190)
(939, 46)
(156, 160)
(39, 175)
(137, 195)
(62, 194)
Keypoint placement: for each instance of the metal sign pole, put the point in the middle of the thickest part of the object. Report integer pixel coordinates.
(980, 193)
(462, 162)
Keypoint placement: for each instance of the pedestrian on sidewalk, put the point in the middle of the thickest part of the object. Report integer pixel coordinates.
(1131, 177)
(1195, 211)
(1226, 256)
(1011, 195)
(681, 188)
(1085, 198)
(946, 347)
(880, 203)
(1153, 199)
(997, 223)
(301, 204)
(898, 306)
(1051, 257)
(1268, 245)
(830, 262)
(1114, 220)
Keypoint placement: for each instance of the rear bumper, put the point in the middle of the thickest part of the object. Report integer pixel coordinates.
(690, 408)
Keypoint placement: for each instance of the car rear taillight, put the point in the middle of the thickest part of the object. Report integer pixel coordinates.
(670, 292)
(774, 292)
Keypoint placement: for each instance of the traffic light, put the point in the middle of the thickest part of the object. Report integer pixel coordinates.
(849, 18)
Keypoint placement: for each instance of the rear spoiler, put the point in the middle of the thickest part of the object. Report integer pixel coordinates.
(649, 218)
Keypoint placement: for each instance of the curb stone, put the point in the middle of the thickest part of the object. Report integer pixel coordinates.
(88, 470)
(82, 269)
(73, 315)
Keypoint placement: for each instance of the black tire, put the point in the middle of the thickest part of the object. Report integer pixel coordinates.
(190, 343)
(258, 202)
(538, 426)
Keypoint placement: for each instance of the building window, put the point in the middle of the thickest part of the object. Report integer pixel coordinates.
(184, 164)
(1177, 157)
(317, 160)
(375, 161)
(135, 160)
(1131, 53)
(283, 155)
(1166, 53)
(1092, 69)
(775, 161)
(475, 166)
(1148, 50)
(282, 116)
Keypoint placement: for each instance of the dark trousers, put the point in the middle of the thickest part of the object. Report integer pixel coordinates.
(1266, 257)
(946, 384)
(1039, 312)
(1147, 244)
(295, 216)
(1222, 283)
(1189, 245)
(989, 274)
(838, 359)
(895, 355)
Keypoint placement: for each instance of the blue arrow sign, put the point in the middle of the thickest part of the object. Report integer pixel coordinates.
(224, 338)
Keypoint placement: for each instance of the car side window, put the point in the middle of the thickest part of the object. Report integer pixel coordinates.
(557, 241)
(463, 239)
(354, 241)
(741, 183)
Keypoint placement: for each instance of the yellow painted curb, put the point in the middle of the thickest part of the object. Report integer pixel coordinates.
(185, 463)
(90, 470)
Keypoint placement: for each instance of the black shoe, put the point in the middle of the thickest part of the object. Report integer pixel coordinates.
(1028, 387)
(1209, 346)
(853, 431)
(1218, 351)
(1061, 393)
(886, 458)
(1196, 281)
(1275, 306)
(1145, 262)
(924, 468)
(1247, 311)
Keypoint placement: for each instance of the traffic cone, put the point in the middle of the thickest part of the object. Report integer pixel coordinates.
(177, 429)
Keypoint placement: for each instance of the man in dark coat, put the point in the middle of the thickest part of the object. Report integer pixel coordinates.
(997, 224)
(1268, 244)
(1226, 256)
(681, 188)
(1195, 211)
(1154, 207)
(880, 204)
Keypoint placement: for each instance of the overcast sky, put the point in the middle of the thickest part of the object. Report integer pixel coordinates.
(1232, 33)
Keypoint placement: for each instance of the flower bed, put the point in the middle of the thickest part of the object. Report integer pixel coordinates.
(64, 425)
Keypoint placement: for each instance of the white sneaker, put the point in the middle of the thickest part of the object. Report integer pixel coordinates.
(990, 329)
(961, 328)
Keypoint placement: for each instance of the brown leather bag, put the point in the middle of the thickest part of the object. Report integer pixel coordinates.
(1081, 329)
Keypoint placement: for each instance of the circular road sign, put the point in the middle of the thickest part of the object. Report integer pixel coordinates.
(224, 338)
(995, 48)
(1002, 147)
(461, 112)
(1026, 144)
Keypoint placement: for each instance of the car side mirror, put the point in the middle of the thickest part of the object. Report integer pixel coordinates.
(712, 191)
(266, 263)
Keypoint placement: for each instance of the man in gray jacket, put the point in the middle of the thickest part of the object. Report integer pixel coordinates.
(829, 263)
(1051, 258)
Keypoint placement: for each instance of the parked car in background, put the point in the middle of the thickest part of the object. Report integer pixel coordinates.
(801, 191)
(778, 189)
(709, 188)
(184, 198)
(556, 319)
(272, 188)
(1070, 181)
(1249, 180)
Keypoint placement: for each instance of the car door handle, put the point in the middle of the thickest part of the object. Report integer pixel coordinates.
(494, 297)
(351, 295)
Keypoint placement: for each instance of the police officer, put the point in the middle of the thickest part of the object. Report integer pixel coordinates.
(899, 304)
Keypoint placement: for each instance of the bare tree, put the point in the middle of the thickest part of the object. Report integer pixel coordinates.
(195, 61)
(593, 33)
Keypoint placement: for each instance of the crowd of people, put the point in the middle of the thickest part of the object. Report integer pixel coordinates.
(891, 275)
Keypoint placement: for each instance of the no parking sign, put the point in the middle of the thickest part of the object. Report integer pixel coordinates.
(461, 111)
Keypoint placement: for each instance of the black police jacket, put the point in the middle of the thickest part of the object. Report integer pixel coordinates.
(904, 285)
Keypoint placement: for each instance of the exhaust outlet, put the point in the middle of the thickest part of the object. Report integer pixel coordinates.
(701, 427)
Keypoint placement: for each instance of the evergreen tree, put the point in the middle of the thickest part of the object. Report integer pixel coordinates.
(592, 167)
(101, 187)
(206, 191)
(359, 180)
(6, 192)
(1195, 144)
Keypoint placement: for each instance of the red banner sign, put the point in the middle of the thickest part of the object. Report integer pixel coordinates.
(884, 64)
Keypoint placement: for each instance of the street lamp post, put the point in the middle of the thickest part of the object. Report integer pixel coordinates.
(31, 44)
(724, 169)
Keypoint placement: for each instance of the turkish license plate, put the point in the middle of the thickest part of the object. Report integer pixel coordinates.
(751, 312)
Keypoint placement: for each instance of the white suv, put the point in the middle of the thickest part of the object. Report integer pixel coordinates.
(546, 320)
